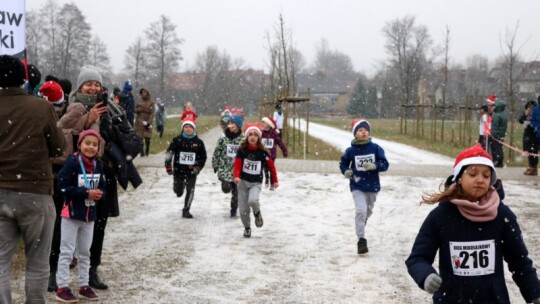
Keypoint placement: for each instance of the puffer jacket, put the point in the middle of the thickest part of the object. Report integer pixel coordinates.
(500, 120)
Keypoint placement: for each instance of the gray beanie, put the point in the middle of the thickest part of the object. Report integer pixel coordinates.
(88, 73)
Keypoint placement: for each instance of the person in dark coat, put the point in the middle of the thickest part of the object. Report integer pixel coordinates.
(530, 143)
(473, 232)
(271, 140)
(187, 155)
(160, 117)
(127, 101)
(499, 125)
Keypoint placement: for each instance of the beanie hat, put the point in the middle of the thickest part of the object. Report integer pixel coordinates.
(52, 91)
(237, 120)
(269, 121)
(86, 133)
(66, 85)
(360, 123)
(116, 90)
(188, 121)
(474, 155)
(88, 73)
(253, 127)
(491, 99)
(127, 85)
(34, 76)
(12, 73)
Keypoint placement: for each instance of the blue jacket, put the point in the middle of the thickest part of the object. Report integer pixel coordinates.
(445, 225)
(535, 121)
(355, 156)
(76, 205)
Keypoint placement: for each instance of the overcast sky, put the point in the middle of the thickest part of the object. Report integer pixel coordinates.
(351, 26)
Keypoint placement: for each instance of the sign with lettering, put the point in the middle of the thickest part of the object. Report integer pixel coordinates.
(13, 28)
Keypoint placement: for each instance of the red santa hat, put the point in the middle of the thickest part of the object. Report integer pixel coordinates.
(491, 99)
(269, 121)
(360, 123)
(52, 91)
(188, 121)
(253, 127)
(474, 155)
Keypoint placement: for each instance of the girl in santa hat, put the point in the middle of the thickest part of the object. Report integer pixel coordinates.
(473, 231)
(251, 159)
(271, 140)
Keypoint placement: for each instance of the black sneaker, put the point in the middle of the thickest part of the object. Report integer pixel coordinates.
(258, 219)
(186, 214)
(247, 232)
(362, 246)
(267, 183)
(233, 212)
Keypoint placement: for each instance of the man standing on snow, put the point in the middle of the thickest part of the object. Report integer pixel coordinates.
(127, 101)
(29, 135)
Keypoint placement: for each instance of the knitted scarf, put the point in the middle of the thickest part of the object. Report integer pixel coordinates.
(483, 210)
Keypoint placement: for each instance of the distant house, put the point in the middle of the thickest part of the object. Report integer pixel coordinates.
(528, 82)
(328, 94)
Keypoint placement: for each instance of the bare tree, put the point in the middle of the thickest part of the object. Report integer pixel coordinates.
(99, 57)
(476, 75)
(74, 40)
(135, 61)
(406, 45)
(510, 59)
(163, 49)
(51, 49)
(332, 63)
(35, 24)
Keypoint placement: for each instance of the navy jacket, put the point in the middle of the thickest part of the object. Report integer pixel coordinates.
(355, 156)
(76, 205)
(445, 230)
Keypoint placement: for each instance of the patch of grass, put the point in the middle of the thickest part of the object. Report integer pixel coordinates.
(388, 129)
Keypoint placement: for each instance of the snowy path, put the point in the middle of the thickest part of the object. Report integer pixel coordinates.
(304, 253)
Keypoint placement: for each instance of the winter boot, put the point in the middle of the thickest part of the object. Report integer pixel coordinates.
(531, 171)
(233, 213)
(362, 246)
(51, 286)
(186, 214)
(247, 232)
(258, 219)
(95, 281)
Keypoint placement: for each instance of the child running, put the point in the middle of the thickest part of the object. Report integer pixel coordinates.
(189, 112)
(223, 157)
(472, 231)
(188, 156)
(361, 163)
(271, 139)
(82, 183)
(251, 159)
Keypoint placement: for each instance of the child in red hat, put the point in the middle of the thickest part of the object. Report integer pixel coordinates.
(473, 232)
(271, 140)
(251, 159)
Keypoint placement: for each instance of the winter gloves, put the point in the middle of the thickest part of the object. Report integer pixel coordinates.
(348, 173)
(369, 166)
(433, 283)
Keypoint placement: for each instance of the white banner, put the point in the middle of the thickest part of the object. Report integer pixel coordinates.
(13, 28)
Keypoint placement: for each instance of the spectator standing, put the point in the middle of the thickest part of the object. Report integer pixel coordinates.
(530, 143)
(499, 125)
(29, 135)
(145, 110)
(127, 101)
(160, 117)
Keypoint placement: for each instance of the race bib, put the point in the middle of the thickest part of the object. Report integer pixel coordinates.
(360, 160)
(268, 142)
(93, 182)
(187, 158)
(252, 167)
(231, 150)
(473, 258)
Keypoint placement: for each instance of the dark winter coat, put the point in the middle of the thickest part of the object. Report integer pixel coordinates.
(499, 123)
(535, 121)
(29, 135)
(250, 163)
(358, 154)
(160, 115)
(271, 139)
(127, 101)
(445, 225)
(76, 194)
(529, 136)
(186, 154)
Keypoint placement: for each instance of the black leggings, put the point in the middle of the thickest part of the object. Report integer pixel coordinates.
(186, 182)
(147, 142)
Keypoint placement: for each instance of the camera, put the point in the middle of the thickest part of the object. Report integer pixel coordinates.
(103, 97)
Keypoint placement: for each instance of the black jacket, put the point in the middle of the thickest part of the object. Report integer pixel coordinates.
(186, 154)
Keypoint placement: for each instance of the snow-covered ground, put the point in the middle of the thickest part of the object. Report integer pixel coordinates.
(304, 253)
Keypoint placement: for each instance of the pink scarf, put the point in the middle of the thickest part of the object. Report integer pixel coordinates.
(483, 210)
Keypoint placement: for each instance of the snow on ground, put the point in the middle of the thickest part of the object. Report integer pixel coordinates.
(304, 253)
